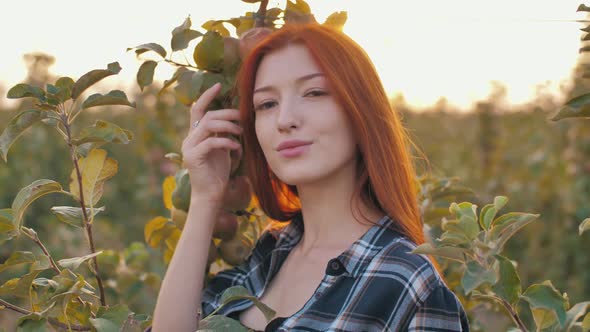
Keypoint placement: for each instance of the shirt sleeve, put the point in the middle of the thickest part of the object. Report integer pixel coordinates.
(441, 311)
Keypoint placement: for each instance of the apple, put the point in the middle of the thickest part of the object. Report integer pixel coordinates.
(238, 193)
(213, 252)
(236, 250)
(231, 53)
(250, 38)
(225, 226)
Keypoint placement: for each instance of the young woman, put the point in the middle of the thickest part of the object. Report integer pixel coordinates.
(323, 146)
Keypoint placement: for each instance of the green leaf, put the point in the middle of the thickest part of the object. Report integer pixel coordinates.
(115, 97)
(73, 215)
(508, 286)
(546, 303)
(73, 263)
(64, 287)
(452, 253)
(584, 226)
(476, 275)
(454, 237)
(17, 258)
(51, 89)
(8, 230)
(488, 213)
(337, 20)
(149, 47)
(586, 323)
(42, 263)
(23, 90)
(145, 74)
(103, 131)
(65, 84)
(29, 194)
(32, 323)
(93, 76)
(504, 227)
(186, 24)
(181, 40)
(16, 127)
(208, 54)
(19, 287)
(45, 283)
(221, 323)
(209, 80)
(35, 321)
(478, 295)
(189, 85)
(574, 108)
(574, 314)
(182, 35)
(173, 79)
(70, 286)
(110, 319)
(240, 292)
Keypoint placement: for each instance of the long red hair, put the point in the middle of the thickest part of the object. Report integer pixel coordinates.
(386, 172)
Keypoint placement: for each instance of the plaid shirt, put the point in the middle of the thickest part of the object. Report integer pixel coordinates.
(375, 285)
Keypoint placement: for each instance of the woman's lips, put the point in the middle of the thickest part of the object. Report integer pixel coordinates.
(295, 151)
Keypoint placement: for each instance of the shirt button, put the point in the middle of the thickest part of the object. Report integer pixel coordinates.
(318, 295)
(335, 265)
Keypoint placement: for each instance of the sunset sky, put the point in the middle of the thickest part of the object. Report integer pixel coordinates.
(423, 49)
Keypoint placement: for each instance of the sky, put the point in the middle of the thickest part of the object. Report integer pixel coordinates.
(424, 49)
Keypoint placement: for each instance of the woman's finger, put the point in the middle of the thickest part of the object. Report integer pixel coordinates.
(198, 108)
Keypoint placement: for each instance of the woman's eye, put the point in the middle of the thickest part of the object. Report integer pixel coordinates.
(265, 105)
(316, 93)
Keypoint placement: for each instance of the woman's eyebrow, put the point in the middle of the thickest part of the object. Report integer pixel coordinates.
(298, 81)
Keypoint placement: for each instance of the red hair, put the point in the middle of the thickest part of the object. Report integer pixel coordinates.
(386, 172)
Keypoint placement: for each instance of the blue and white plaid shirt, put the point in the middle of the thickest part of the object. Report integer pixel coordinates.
(375, 285)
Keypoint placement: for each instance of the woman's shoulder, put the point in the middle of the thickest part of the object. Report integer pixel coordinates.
(416, 271)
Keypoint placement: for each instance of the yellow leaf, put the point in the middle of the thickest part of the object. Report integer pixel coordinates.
(544, 318)
(213, 25)
(172, 240)
(167, 188)
(168, 255)
(95, 169)
(152, 230)
(299, 6)
(337, 20)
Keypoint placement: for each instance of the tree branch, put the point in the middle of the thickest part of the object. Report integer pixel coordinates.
(54, 266)
(87, 223)
(513, 314)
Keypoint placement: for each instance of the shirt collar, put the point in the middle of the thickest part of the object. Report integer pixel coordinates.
(359, 254)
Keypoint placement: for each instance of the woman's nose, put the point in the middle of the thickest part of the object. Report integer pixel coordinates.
(289, 116)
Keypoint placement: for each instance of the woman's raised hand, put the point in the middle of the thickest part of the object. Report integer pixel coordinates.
(205, 151)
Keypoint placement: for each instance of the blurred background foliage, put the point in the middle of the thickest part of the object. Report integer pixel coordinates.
(495, 149)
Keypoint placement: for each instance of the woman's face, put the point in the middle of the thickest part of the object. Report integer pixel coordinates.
(293, 100)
